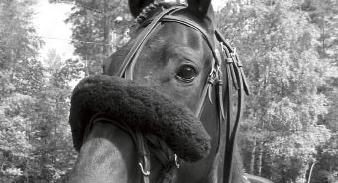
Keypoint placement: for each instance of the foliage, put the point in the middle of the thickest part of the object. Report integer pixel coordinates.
(326, 169)
(289, 49)
(98, 28)
(324, 15)
(35, 128)
(18, 47)
(35, 143)
(279, 46)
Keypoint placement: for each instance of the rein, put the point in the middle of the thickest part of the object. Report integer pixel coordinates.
(223, 53)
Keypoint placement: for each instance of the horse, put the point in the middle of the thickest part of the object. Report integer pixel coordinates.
(163, 109)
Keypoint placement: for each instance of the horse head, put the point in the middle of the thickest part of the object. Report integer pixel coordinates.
(175, 58)
(169, 119)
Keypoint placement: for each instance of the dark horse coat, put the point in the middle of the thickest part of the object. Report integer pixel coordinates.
(169, 77)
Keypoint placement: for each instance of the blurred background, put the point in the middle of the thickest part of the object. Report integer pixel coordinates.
(290, 53)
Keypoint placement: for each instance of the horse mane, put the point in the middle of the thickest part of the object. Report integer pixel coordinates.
(152, 9)
(148, 11)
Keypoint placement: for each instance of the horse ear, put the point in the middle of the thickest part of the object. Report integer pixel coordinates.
(136, 6)
(199, 7)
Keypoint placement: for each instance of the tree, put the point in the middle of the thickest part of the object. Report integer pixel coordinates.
(18, 45)
(278, 44)
(98, 28)
(34, 101)
(36, 126)
(21, 76)
(324, 15)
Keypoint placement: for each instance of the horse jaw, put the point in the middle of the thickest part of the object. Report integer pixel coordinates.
(107, 155)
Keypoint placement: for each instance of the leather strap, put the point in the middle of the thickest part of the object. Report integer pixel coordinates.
(141, 40)
(193, 25)
(233, 74)
(143, 158)
(102, 118)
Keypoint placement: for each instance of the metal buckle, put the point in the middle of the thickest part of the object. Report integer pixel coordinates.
(212, 75)
(216, 72)
(235, 58)
(228, 60)
(234, 53)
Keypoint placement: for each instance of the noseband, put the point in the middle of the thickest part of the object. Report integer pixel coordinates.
(222, 53)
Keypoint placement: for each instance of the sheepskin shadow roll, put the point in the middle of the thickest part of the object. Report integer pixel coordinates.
(141, 108)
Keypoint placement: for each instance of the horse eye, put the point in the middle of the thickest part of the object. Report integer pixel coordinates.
(186, 73)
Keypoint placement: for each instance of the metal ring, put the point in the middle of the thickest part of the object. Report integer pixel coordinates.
(145, 173)
(176, 161)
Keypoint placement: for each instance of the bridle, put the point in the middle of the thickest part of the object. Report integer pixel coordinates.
(222, 53)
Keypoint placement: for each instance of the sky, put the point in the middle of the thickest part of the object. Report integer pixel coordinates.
(50, 25)
(56, 34)
(218, 4)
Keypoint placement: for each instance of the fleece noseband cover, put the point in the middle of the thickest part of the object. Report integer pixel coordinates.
(142, 109)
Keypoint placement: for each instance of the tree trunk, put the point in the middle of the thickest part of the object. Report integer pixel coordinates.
(310, 173)
(303, 171)
(87, 66)
(106, 31)
(253, 156)
(260, 158)
(323, 33)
